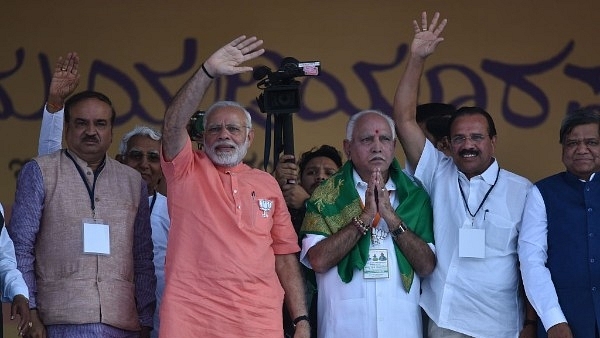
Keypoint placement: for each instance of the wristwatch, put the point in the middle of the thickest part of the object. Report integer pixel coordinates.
(401, 229)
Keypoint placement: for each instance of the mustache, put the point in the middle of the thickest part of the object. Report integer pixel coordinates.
(224, 143)
(468, 152)
(91, 139)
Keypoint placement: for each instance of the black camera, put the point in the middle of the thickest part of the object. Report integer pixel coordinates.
(281, 98)
(281, 92)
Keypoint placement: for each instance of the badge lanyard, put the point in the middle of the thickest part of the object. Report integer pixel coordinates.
(153, 201)
(462, 193)
(87, 185)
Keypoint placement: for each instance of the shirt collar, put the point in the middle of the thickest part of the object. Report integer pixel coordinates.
(488, 176)
(240, 167)
(591, 178)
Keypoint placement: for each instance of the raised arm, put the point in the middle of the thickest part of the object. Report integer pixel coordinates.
(224, 61)
(65, 80)
(426, 39)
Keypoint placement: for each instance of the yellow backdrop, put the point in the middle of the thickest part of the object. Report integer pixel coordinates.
(527, 63)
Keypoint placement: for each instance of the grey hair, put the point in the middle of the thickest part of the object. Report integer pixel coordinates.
(221, 104)
(576, 118)
(352, 122)
(138, 131)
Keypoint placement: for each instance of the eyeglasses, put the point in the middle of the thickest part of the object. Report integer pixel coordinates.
(138, 156)
(233, 129)
(461, 139)
(588, 142)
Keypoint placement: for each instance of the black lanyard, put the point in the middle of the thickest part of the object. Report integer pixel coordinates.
(462, 193)
(91, 189)
(153, 201)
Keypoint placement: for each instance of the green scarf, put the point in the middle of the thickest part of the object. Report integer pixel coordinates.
(334, 203)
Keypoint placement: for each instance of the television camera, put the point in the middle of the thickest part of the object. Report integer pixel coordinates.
(280, 98)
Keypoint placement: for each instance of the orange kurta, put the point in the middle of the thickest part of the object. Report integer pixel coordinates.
(220, 265)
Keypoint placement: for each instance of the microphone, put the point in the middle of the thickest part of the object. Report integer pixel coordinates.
(260, 72)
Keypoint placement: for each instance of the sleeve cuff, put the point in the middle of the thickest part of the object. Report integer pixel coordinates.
(552, 317)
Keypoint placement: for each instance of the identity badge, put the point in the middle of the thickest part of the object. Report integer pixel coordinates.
(471, 243)
(96, 237)
(377, 265)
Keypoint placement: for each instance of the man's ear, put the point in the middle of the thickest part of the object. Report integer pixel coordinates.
(346, 146)
(250, 136)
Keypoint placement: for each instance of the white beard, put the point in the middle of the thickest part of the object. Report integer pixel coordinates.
(227, 159)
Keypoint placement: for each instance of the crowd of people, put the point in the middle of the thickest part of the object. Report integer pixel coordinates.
(167, 240)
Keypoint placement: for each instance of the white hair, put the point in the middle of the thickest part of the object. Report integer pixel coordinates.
(221, 104)
(352, 122)
(138, 131)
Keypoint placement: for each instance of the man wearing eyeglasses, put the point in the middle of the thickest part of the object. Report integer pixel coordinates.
(558, 248)
(474, 288)
(232, 247)
(140, 149)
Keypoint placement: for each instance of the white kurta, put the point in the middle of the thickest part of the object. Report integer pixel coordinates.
(366, 308)
(475, 296)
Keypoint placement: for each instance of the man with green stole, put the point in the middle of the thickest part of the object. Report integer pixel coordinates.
(369, 238)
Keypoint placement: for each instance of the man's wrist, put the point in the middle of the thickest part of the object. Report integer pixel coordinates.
(211, 76)
(300, 319)
(400, 230)
(366, 218)
(20, 295)
(360, 226)
(53, 106)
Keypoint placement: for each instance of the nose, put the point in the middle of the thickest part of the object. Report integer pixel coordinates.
(223, 134)
(321, 176)
(582, 148)
(377, 146)
(144, 161)
(90, 129)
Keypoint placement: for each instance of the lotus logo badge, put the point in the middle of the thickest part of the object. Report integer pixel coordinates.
(265, 206)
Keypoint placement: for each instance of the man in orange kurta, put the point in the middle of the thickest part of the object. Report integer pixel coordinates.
(232, 248)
